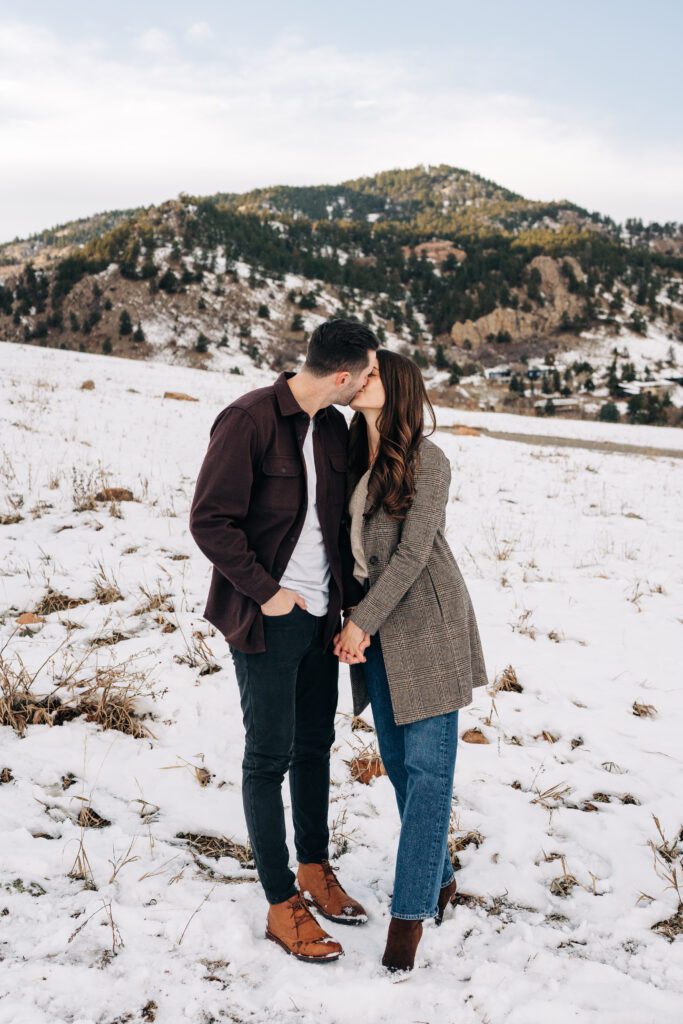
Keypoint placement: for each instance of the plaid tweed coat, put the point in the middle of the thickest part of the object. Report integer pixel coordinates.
(419, 604)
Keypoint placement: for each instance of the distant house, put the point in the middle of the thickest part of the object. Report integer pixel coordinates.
(639, 387)
(498, 373)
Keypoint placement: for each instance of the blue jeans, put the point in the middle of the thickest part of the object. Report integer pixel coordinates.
(420, 762)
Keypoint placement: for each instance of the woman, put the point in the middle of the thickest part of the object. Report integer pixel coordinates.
(424, 656)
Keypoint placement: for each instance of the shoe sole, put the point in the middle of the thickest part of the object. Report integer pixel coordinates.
(337, 920)
(301, 956)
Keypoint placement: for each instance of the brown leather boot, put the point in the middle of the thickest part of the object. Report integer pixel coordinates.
(292, 926)
(402, 941)
(446, 896)
(320, 886)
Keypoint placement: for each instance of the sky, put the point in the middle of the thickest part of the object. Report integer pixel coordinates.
(112, 106)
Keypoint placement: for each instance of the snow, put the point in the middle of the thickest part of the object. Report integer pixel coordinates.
(585, 430)
(573, 562)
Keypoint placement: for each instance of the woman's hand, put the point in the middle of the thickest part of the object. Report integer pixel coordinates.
(350, 644)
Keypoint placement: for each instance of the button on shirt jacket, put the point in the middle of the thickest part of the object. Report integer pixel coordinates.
(250, 504)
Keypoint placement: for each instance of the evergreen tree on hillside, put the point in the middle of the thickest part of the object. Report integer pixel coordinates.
(125, 323)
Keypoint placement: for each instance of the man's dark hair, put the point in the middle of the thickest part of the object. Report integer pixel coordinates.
(338, 345)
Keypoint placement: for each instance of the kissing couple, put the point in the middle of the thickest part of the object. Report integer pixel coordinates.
(304, 518)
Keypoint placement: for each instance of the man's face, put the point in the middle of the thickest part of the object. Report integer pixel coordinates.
(356, 382)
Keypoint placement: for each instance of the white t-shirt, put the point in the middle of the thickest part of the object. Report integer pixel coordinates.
(308, 570)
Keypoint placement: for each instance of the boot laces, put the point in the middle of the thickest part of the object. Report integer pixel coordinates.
(331, 880)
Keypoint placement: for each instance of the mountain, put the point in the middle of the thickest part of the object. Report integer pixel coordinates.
(456, 269)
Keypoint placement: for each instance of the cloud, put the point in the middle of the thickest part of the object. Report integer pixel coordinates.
(82, 131)
(155, 42)
(199, 31)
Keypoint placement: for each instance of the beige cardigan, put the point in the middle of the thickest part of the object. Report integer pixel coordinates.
(356, 508)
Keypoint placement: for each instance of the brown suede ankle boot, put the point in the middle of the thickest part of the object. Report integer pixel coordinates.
(292, 926)
(402, 941)
(322, 890)
(446, 896)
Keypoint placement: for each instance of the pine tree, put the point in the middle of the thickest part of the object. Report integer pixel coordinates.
(609, 413)
(440, 361)
(125, 323)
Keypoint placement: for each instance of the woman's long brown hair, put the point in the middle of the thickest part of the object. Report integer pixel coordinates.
(401, 428)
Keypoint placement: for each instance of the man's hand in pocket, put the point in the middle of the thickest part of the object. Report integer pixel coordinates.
(283, 602)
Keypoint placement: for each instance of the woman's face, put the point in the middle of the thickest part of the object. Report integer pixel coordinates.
(371, 396)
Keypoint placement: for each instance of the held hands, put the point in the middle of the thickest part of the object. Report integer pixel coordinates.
(350, 644)
(283, 602)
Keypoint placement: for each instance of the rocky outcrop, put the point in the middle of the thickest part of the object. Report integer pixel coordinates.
(436, 251)
(520, 325)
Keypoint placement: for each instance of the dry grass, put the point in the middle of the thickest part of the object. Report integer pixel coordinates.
(552, 798)
(197, 654)
(88, 817)
(524, 626)
(108, 697)
(202, 774)
(155, 601)
(217, 847)
(667, 865)
(549, 737)
(106, 588)
(500, 549)
(341, 837)
(457, 842)
(109, 640)
(359, 724)
(10, 519)
(672, 926)
(111, 701)
(56, 602)
(84, 487)
(366, 763)
(19, 706)
(507, 681)
(644, 710)
(564, 883)
(81, 870)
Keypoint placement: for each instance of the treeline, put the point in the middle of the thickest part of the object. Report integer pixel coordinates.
(357, 256)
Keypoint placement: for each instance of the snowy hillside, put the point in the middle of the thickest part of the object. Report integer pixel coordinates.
(113, 904)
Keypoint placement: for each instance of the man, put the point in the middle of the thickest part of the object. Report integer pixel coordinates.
(268, 513)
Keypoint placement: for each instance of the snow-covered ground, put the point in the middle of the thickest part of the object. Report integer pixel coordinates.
(573, 560)
(582, 430)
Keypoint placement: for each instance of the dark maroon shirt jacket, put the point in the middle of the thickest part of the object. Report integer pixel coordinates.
(250, 502)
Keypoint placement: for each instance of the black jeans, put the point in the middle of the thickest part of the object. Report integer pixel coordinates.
(289, 699)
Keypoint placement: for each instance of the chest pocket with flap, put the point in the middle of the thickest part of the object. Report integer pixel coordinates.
(281, 482)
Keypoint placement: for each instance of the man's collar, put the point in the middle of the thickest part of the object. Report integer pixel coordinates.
(285, 397)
